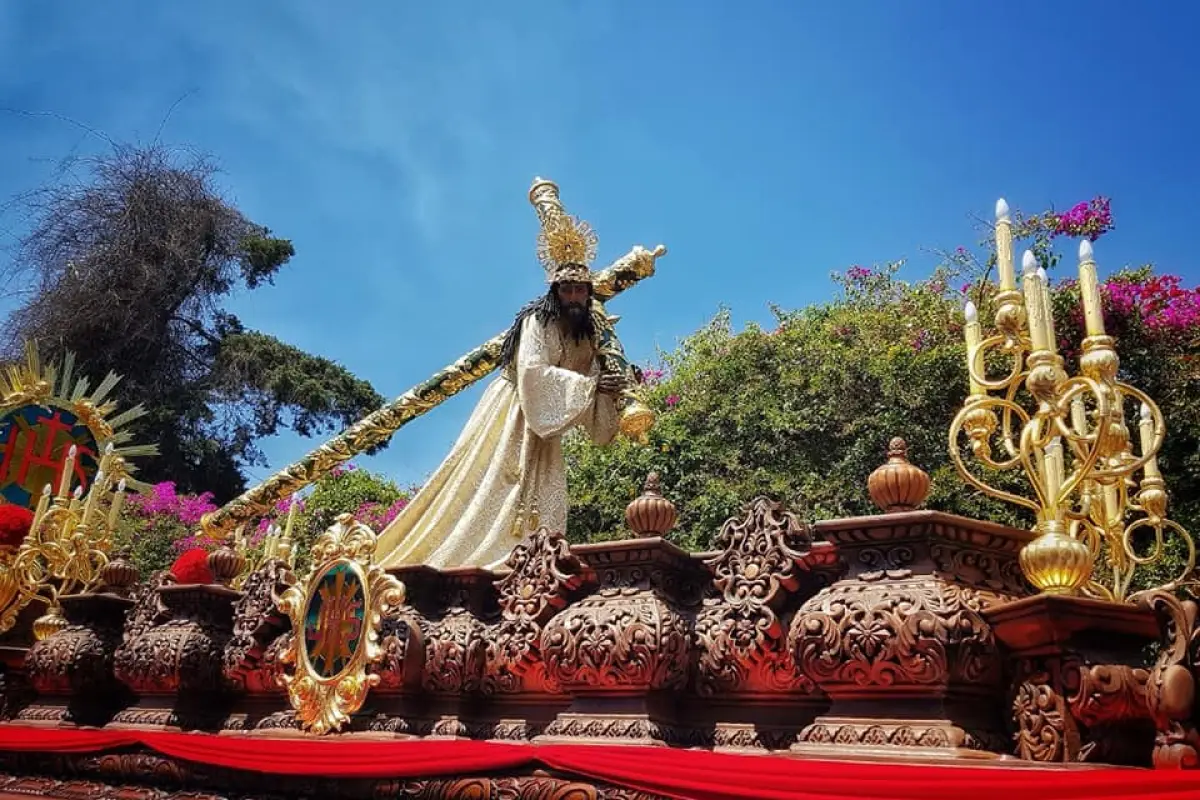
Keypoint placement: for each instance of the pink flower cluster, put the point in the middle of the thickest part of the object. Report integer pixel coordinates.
(165, 501)
(1159, 301)
(857, 273)
(377, 516)
(1089, 220)
(652, 376)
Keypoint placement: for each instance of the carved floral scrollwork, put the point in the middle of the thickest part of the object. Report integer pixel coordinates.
(1171, 685)
(175, 639)
(618, 638)
(740, 639)
(78, 659)
(257, 622)
(543, 576)
(914, 632)
(454, 652)
(1045, 729)
(1068, 710)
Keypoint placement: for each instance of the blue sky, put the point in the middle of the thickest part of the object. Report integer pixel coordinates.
(766, 144)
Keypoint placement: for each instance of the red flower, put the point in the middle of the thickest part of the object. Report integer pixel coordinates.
(192, 567)
(15, 522)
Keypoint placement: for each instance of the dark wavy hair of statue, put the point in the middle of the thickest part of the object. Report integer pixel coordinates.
(547, 308)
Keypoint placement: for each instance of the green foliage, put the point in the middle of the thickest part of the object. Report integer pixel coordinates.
(371, 498)
(133, 255)
(803, 413)
(156, 528)
(151, 543)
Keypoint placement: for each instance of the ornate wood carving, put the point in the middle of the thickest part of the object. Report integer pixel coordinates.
(543, 576)
(186, 651)
(632, 633)
(740, 639)
(257, 624)
(1171, 686)
(450, 612)
(1079, 692)
(75, 665)
(145, 776)
(172, 654)
(906, 622)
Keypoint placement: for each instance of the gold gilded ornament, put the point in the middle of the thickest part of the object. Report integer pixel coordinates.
(1069, 435)
(67, 456)
(336, 614)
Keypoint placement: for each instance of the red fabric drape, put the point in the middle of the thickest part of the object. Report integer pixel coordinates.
(686, 774)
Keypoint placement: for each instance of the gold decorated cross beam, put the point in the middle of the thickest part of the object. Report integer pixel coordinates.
(376, 428)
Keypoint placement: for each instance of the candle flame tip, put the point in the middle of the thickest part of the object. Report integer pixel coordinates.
(73, 451)
(1085, 251)
(1145, 411)
(78, 492)
(1029, 263)
(1001, 210)
(1041, 273)
(121, 485)
(971, 312)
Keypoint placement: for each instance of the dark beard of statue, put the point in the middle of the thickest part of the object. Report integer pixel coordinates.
(548, 308)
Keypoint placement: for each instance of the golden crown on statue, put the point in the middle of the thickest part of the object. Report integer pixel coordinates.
(1100, 502)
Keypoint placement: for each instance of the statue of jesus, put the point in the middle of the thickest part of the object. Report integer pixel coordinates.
(505, 475)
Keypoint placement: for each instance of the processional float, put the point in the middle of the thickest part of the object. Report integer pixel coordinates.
(905, 636)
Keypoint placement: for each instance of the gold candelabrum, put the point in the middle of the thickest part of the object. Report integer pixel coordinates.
(279, 544)
(1100, 503)
(68, 543)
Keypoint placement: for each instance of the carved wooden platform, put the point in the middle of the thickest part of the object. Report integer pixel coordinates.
(907, 636)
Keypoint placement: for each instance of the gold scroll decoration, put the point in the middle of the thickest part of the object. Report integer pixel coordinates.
(336, 614)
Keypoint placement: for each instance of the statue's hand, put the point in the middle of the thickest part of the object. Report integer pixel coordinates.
(610, 383)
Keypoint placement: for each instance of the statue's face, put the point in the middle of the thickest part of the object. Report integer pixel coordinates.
(573, 294)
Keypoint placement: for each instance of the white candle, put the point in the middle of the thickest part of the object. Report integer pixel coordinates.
(973, 335)
(42, 504)
(1051, 336)
(1089, 291)
(1146, 434)
(1004, 255)
(93, 493)
(291, 517)
(68, 467)
(114, 511)
(1031, 284)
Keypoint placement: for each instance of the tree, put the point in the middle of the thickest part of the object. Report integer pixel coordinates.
(129, 259)
(804, 412)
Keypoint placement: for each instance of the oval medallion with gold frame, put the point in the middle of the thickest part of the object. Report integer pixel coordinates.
(333, 620)
(336, 612)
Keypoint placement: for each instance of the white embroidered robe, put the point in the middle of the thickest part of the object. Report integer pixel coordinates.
(508, 459)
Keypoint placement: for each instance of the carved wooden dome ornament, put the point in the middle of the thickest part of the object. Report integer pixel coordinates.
(898, 485)
(651, 514)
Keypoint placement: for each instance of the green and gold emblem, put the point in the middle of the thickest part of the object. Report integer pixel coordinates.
(336, 613)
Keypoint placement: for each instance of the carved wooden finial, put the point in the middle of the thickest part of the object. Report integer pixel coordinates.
(651, 514)
(226, 562)
(898, 485)
(119, 574)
